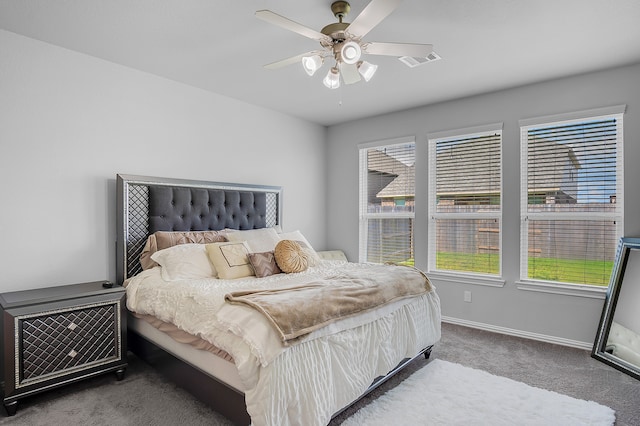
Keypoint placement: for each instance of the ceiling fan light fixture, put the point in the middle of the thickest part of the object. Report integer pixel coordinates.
(350, 52)
(367, 70)
(332, 80)
(311, 64)
(343, 42)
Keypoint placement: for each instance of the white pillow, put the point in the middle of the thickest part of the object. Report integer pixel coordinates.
(314, 258)
(258, 240)
(184, 262)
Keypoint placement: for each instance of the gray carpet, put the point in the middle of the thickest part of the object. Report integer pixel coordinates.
(145, 398)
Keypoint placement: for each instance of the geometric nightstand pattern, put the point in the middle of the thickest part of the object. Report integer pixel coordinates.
(58, 335)
(56, 343)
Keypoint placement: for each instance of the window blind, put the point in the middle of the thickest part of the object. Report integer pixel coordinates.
(387, 194)
(465, 199)
(571, 201)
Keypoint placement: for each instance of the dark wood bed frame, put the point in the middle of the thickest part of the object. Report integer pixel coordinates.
(133, 219)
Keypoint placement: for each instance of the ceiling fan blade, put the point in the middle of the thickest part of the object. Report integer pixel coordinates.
(291, 60)
(371, 16)
(399, 49)
(288, 24)
(349, 73)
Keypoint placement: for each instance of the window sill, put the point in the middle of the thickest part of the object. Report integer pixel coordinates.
(467, 279)
(579, 290)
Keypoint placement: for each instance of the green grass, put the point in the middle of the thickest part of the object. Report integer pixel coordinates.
(408, 262)
(488, 263)
(591, 272)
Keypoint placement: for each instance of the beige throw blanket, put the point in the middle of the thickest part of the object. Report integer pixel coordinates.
(297, 311)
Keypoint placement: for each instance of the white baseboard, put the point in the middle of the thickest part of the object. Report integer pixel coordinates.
(520, 333)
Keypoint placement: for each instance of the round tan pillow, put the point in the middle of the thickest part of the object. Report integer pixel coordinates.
(290, 256)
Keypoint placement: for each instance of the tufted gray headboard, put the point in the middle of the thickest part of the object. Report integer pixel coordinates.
(149, 204)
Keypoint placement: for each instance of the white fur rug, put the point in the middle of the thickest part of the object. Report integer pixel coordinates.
(444, 393)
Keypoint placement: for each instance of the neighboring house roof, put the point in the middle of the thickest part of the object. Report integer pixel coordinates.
(382, 162)
(462, 171)
(401, 186)
(474, 178)
(551, 159)
(404, 183)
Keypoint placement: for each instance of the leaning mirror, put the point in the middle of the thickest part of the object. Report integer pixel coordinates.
(618, 339)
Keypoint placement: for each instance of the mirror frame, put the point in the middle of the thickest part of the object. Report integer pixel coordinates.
(625, 246)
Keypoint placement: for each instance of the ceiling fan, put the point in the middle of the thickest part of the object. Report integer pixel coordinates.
(343, 42)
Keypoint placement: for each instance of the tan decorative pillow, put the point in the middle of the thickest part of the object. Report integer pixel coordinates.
(161, 240)
(231, 260)
(291, 257)
(166, 239)
(264, 264)
(314, 259)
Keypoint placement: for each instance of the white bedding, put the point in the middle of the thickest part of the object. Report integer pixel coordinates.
(305, 383)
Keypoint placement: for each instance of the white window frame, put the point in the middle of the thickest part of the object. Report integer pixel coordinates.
(364, 215)
(586, 290)
(433, 138)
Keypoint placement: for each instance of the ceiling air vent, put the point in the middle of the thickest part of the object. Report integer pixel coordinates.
(413, 62)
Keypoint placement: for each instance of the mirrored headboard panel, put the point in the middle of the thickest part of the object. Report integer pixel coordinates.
(617, 341)
(148, 204)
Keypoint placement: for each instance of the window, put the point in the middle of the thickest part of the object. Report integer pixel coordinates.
(387, 189)
(465, 201)
(571, 197)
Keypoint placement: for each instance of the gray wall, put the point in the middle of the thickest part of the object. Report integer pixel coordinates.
(70, 122)
(561, 318)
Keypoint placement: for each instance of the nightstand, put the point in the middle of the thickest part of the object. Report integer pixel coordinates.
(58, 335)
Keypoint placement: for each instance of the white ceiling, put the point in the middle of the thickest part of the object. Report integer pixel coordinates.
(219, 46)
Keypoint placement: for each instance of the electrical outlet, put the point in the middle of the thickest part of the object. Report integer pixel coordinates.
(467, 296)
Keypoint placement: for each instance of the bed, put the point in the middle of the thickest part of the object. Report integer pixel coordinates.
(237, 342)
